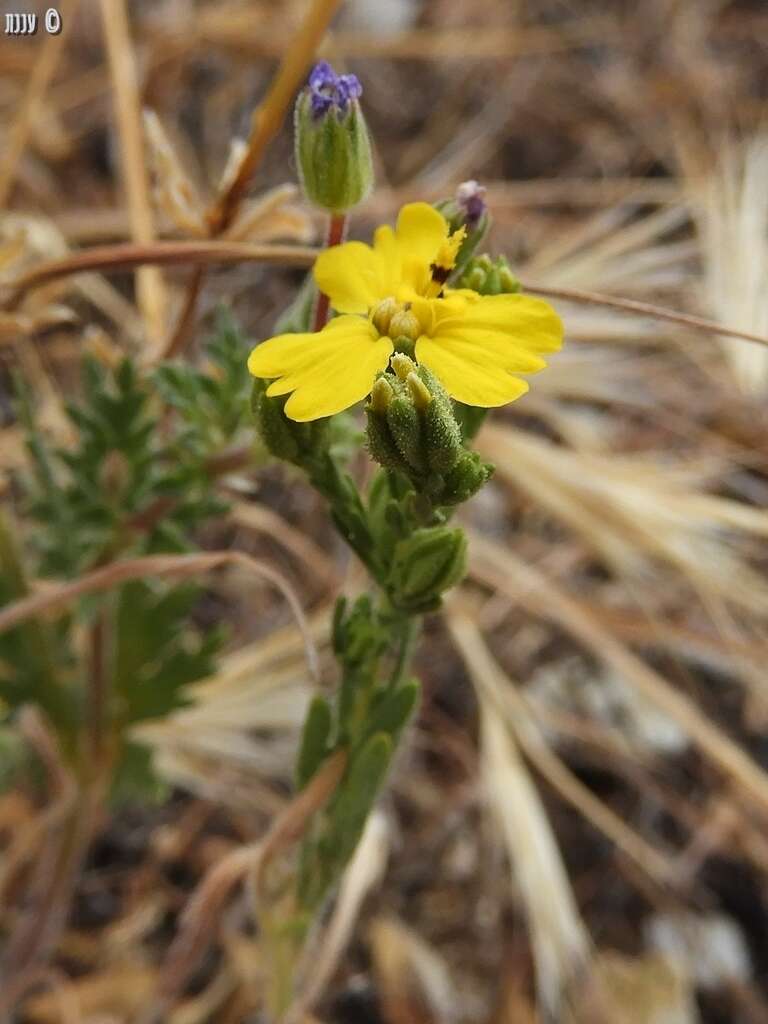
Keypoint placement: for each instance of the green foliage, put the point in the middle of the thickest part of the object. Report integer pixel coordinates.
(36, 661)
(212, 405)
(135, 479)
(156, 654)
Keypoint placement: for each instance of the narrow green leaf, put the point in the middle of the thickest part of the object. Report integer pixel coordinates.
(314, 741)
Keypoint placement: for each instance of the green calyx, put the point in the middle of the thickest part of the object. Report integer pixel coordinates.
(333, 155)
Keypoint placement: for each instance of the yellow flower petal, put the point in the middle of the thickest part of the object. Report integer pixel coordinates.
(327, 371)
(353, 276)
(476, 344)
(421, 231)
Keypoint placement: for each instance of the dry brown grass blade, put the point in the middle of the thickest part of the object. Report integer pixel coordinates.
(730, 207)
(512, 706)
(58, 595)
(523, 583)
(42, 73)
(149, 283)
(559, 939)
(259, 517)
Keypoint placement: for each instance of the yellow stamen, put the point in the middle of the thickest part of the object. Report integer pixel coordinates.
(449, 250)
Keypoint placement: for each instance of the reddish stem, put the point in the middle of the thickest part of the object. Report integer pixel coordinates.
(337, 227)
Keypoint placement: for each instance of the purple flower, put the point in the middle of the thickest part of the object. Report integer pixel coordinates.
(470, 200)
(329, 91)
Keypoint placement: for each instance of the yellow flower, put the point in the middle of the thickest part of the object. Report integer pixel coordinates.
(391, 294)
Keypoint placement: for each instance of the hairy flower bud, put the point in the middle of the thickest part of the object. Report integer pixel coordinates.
(333, 150)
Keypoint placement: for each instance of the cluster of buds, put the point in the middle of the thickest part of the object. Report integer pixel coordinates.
(412, 429)
(488, 276)
(333, 151)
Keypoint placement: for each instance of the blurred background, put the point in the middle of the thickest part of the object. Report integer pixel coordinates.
(582, 805)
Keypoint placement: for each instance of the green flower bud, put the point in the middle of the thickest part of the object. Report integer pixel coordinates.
(425, 565)
(333, 150)
(489, 277)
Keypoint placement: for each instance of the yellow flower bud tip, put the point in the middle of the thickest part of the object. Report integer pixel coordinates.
(420, 394)
(381, 395)
(402, 365)
(404, 324)
(381, 315)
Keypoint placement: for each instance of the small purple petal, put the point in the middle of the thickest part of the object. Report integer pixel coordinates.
(329, 91)
(348, 88)
(322, 75)
(470, 199)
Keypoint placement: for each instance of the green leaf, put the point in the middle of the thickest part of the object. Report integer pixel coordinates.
(314, 741)
(392, 711)
(357, 795)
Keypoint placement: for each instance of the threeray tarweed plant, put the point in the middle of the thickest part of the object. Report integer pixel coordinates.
(429, 336)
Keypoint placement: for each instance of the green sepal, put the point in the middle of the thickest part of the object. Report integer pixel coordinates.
(314, 741)
(442, 434)
(406, 430)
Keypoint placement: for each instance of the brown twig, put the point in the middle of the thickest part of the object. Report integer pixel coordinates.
(129, 254)
(642, 309)
(61, 594)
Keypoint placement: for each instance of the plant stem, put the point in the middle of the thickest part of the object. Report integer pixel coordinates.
(407, 632)
(97, 709)
(337, 227)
